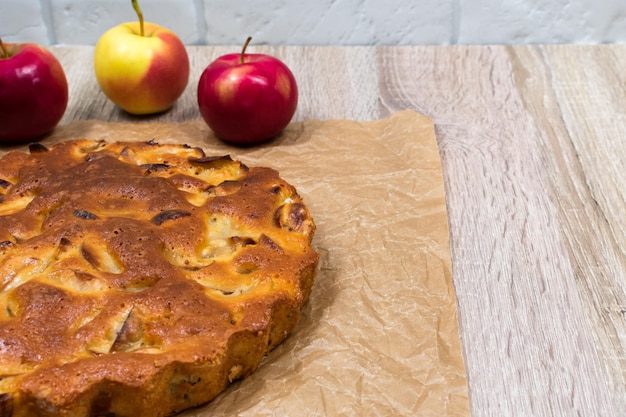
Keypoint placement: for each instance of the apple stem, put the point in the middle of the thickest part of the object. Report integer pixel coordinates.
(245, 45)
(3, 51)
(139, 15)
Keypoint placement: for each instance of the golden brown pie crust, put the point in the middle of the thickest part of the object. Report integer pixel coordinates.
(140, 279)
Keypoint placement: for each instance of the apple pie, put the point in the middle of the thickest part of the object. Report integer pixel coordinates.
(139, 278)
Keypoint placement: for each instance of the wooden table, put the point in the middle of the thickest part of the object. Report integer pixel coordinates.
(533, 146)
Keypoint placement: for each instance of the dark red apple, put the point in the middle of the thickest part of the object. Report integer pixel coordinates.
(247, 98)
(33, 92)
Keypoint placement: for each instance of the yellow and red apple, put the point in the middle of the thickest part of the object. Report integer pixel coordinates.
(247, 99)
(140, 66)
(33, 92)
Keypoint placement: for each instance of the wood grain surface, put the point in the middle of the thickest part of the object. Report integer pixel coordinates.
(533, 147)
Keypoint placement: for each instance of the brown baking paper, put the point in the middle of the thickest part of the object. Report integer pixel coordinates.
(379, 336)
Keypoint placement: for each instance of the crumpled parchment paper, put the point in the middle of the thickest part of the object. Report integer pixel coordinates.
(379, 336)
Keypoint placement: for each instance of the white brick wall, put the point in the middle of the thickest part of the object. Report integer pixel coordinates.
(83, 21)
(324, 22)
(23, 19)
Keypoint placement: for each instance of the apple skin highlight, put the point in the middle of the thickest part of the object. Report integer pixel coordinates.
(33, 93)
(141, 74)
(249, 102)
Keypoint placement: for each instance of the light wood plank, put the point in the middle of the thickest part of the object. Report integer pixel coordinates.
(583, 88)
(526, 353)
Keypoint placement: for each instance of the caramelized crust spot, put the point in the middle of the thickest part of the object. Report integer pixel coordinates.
(6, 405)
(84, 214)
(168, 215)
(37, 148)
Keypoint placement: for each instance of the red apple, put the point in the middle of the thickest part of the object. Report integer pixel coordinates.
(33, 92)
(247, 98)
(140, 66)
